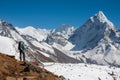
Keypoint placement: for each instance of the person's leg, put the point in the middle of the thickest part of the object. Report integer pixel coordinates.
(20, 55)
(23, 56)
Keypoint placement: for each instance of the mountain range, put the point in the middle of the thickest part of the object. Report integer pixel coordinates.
(96, 41)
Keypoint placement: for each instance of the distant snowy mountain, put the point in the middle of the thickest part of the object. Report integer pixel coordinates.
(38, 34)
(59, 37)
(65, 30)
(89, 34)
(7, 30)
(97, 41)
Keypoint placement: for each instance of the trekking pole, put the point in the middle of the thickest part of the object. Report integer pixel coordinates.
(35, 57)
(40, 61)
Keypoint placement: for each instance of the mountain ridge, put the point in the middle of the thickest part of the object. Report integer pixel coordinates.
(95, 26)
(37, 45)
(96, 41)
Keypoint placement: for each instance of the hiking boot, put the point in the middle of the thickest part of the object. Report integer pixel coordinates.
(24, 64)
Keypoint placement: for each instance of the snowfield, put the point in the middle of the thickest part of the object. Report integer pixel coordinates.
(83, 71)
(7, 45)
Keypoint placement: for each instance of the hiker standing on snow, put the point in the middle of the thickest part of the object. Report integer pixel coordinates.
(22, 47)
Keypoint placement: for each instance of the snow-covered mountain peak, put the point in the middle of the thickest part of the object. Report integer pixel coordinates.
(60, 36)
(7, 30)
(64, 30)
(89, 34)
(100, 19)
(4, 23)
(98, 39)
(29, 27)
(64, 27)
(100, 15)
(1, 21)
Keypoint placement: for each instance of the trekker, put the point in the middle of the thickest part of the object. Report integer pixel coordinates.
(22, 47)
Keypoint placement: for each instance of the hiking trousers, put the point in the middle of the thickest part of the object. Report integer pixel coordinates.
(22, 55)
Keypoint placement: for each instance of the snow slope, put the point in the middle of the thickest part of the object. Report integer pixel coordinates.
(7, 45)
(39, 34)
(84, 71)
(43, 46)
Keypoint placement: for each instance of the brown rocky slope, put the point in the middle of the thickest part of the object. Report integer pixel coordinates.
(12, 69)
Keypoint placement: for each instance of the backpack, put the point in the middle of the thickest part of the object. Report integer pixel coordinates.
(23, 46)
(19, 45)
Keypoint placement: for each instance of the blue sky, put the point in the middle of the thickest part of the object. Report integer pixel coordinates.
(51, 14)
